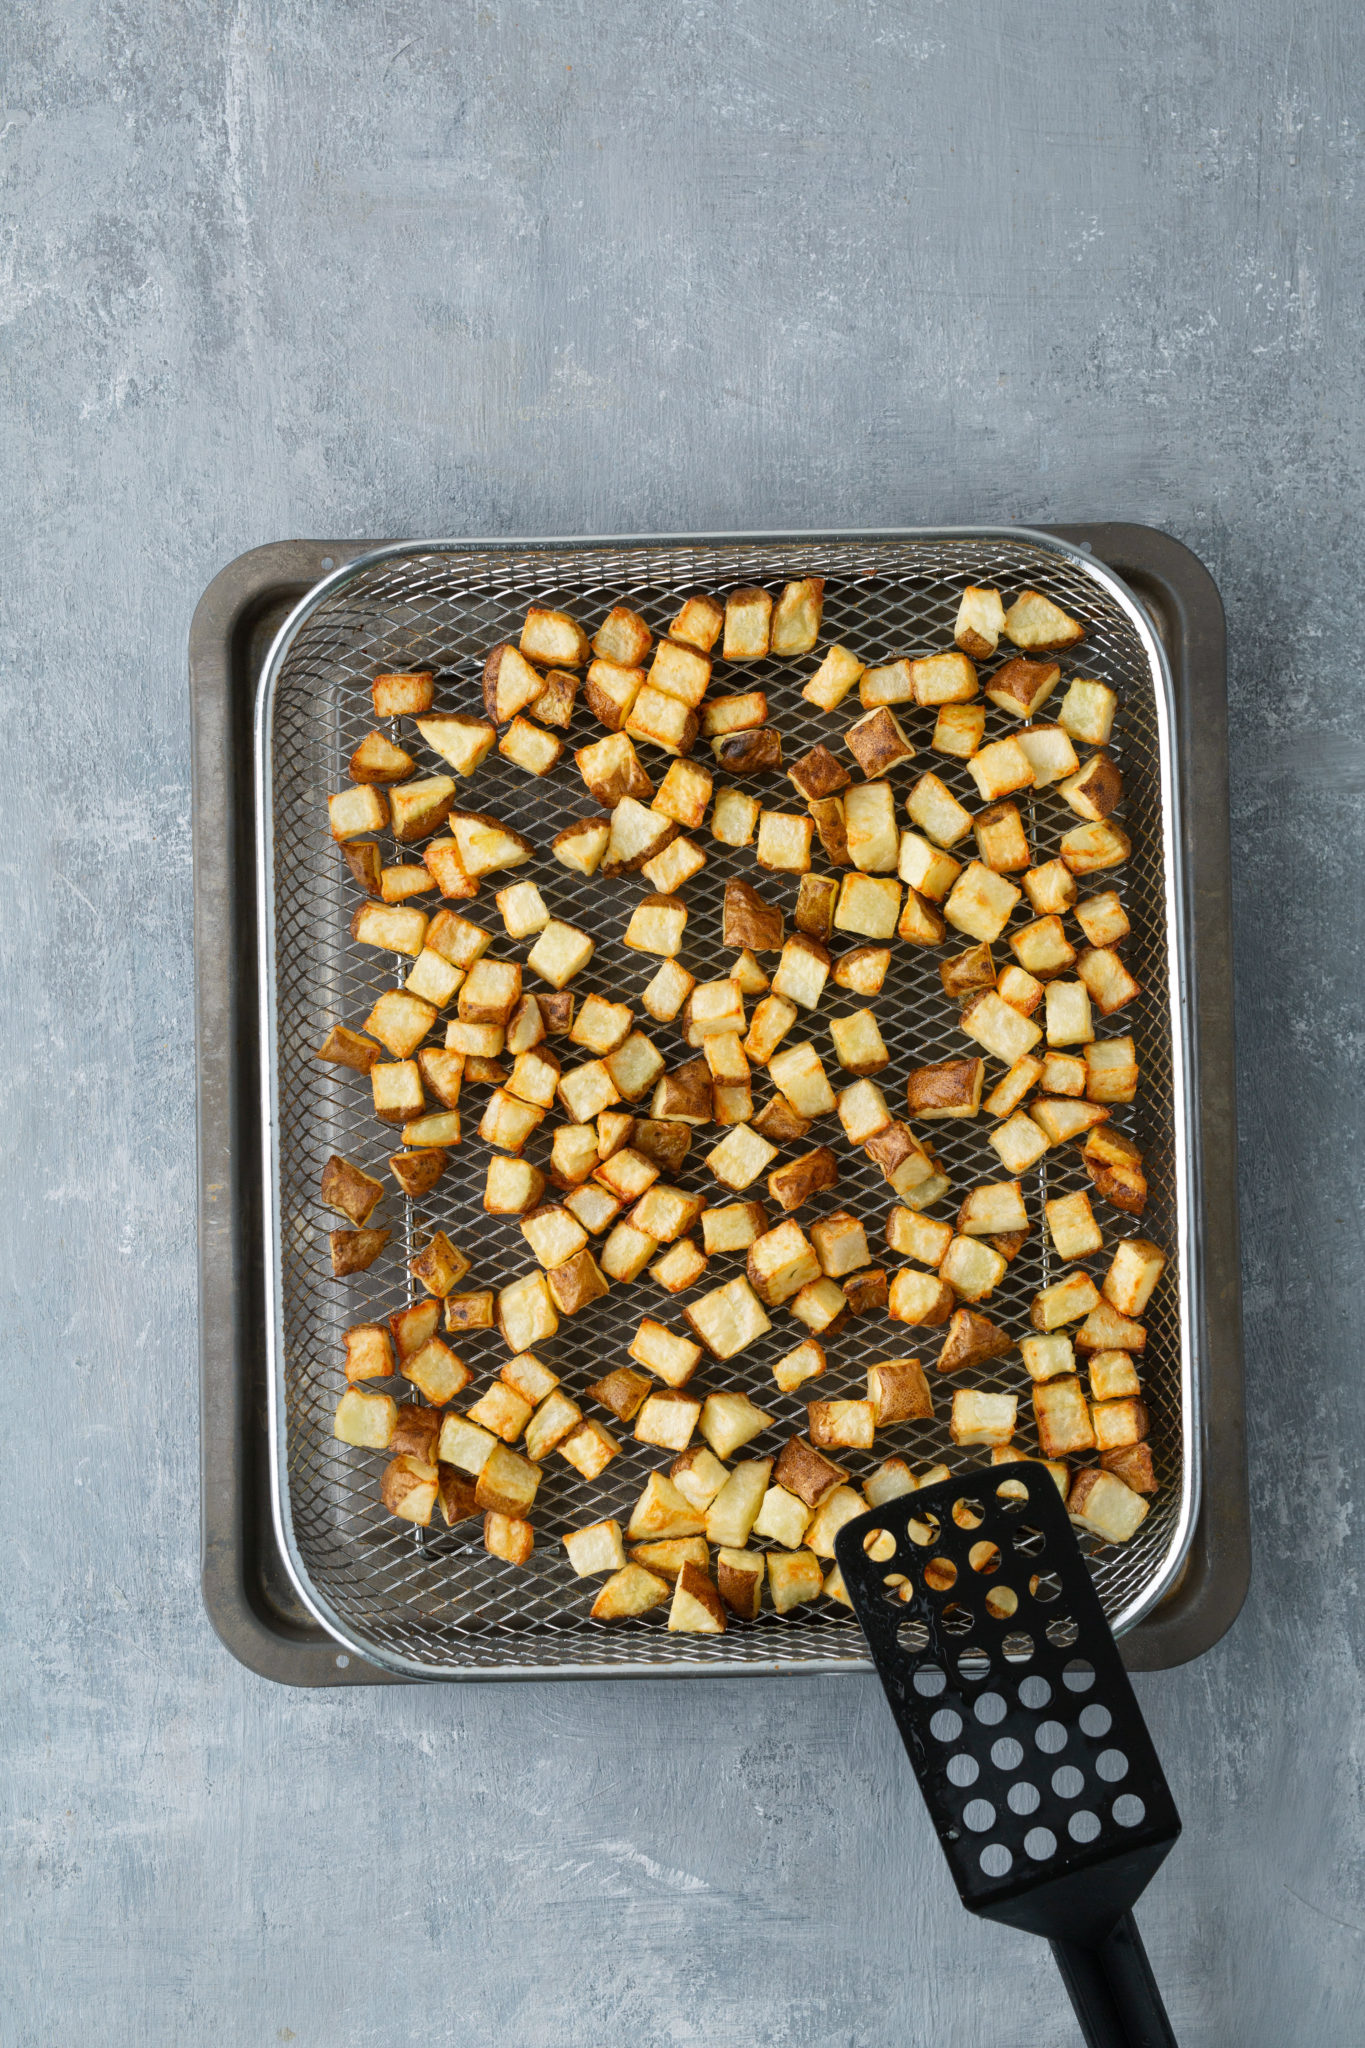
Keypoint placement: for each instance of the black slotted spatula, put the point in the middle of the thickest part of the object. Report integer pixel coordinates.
(1024, 1732)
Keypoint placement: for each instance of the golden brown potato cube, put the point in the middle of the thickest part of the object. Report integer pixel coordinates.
(634, 1066)
(554, 706)
(982, 1418)
(784, 839)
(752, 752)
(1119, 1424)
(418, 1171)
(684, 1096)
(355, 1251)
(858, 1043)
(697, 1607)
(416, 1432)
(486, 844)
(734, 1510)
(396, 1089)
(802, 972)
(1062, 1118)
(622, 1391)
(553, 639)
(744, 713)
(1106, 979)
(436, 1371)
(1063, 1074)
(958, 730)
(947, 1088)
(366, 1421)
(970, 1340)
(575, 1283)
(1088, 848)
(972, 1268)
(559, 953)
(668, 991)
(868, 905)
(862, 969)
(377, 759)
(632, 1590)
(892, 1480)
(798, 1073)
(402, 696)
(1111, 1070)
(580, 846)
(502, 1410)
(1102, 918)
(1087, 711)
(1035, 622)
(418, 808)
(1066, 1301)
(749, 921)
(980, 622)
(725, 1058)
(626, 1253)
(662, 721)
(747, 976)
(892, 682)
(535, 1077)
(1100, 1503)
(365, 862)
(684, 793)
(1134, 1271)
(999, 768)
(1133, 1465)
(594, 1207)
(512, 1187)
(526, 1312)
(698, 1475)
(663, 1143)
(439, 1266)
(897, 1391)
(656, 926)
(506, 1482)
(796, 617)
(1094, 790)
(490, 992)
(400, 1021)
(1021, 687)
(523, 909)
(369, 1352)
(843, 1505)
(828, 815)
(462, 741)
(353, 811)
(665, 1213)
(803, 1471)
(963, 973)
(728, 1319)
(433, 978)
(932, 806)
(667, 1419)
(589, 1449)
(779, 1123)
(917, 1237)
(1068, 1014)
(740, 1157)
(729, 1421)
(878, 743)
(807, 1362)
(1008, 1093)
(586, 1090)
(350, 1190)
(833, 680)
(508, 1122)
(733, 1227)
(622, 636)
(897, 1148)
(995, 1206)
(556, 1418)
(679, 672)
(980, 903)
(794, 1577)
(734, 817)
(553, 1234)
(1104, 1329)
(739, 1581)
(836, 1425)
(818, 774)
(663, 1512)
(611, 769)
(780, 1262)
(1001, 841)
(1113, 1376)
(530, 747)
(821, 1305)
(943, 679)
(408, 1489)
(1063, 1417)
(598, 1548)
(927, 869)
(476, 1311)
(1049, 1357)
(479, 1045)
(1017, 987)
(863, 1112)
(1043, 947)
(1072, 1227)
(870, 824)
(815, 900)
(748, 621)
(919, 1298)
(669, 1554)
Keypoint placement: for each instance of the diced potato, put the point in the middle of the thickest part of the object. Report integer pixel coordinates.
(1118, 1424)
(1048, 1357)
(980, 903)
(1000, 839)
(366, 1421)
(598, 1548)
(780, 1262)
(828, 813)
(1088, 848)
(747, 976)
(891, 683)
(728, 1319)
(858, 1044)
(980, 622)
(1068, 1014)
(396, 1090)
(667, 1419)
(1106, 979)
(729, 1421)
(868, 905)
(863, 1112)
(1102, 918)
(1111, 1070)
(555, 1419)
(841, 1506)
(1018, 988)
(684, 793)
(1063, 1417)
(663, 720)
(797, 1071)
(632, 1590)
(818, 774)
(734, 1510)
(1063, 1074)
(782, 1518)
(897, 1391)
(841, 1424)
(589, 1449)
(656, 926)
(439, 1265)
(462, 741)
(806, 1362)
(1072, 1227)
(734, 817)
(1104, 1329)
(1113, 1376)
(999, 1028)
(408, 1489)
(1100, 1503)
(833, 680)
(1087, 711)
(1063, 1119)
(503, 1410)
(917, 1237)
(992, 1207)
(464, 1445)
(892, 1480)
(921, 1299)
(530, 747)
(1134, 1271)
(999, 768)
(697, 1606)
(1051, 889)
(796, 617)
(684, 1096)
(526, 1312)
(723, 715)
(970, 1340)
(553, 638)
(943, 679)
(802, 971)
(870, 825)
(794, 1577)
(972, 1268)
(622, 636)
(353, 811)
(784, 841)
(927, 869)
(862, 969)
(1021, 687)
(610, 691)
(1094, 790)
(699, 1476)
(948, 1088)
(1009, 1092)
(1066, 1301)
(699, 623)
(959, 730)
(748, 622)
(982, 1418)
(878, 742)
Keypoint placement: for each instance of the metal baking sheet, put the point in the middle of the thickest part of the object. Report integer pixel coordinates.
(428, 1604)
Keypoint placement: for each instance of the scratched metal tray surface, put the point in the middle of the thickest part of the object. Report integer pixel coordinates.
(433, 1602)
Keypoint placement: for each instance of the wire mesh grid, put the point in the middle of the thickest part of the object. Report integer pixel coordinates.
(434, 1602)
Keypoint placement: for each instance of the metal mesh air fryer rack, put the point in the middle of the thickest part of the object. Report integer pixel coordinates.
(433, 1603)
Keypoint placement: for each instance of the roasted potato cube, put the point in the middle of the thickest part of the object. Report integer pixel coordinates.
(490, 992)
(553, 1234)
(1063, 1074)
(1087, 712)
(417, 1172)
(1094, 790)
(739, 1581)
(662, 1511)
(698, 1475)
(456, 939)
(802, 971)
(671, 1357)
(400, 1022)
(353, 811)
(684, 793)
(1022, 687)
(893, 682)
(1042, 947)
(1104, 1329)
(833, 680)
(553, 639)
(733, 1227)
(972, 1269)
(747, 976)
(656, 926)
(486, 844)
(995, 1206)
(782, 1518)
(917, 1237)
(963, 973)
(982, 1418)
(1114, 1164)
(732, 1102)
(632, 1590)
(416, 1432)
(858, 1043)
(724, 1055)
(479, 1046)
(798, 1073)
(586, 1090)
(377, 759)
(1062, 1119)
(464, 1445)
(1106, 979)
(928, 870)
(634, 1066)
(1102, 918)
(1017, 987)
(1134, 1271)
(600, 1024)
(526, 1312)
(999, 768)
(366, 1421)
(668, 991)
(355, 1251)
(554, 705)
(1068, 1014)
(806, 1362)
(891, 1481)
(980, 622)
(843, 1505)
(684, 1096)
(681, 673)
(611, 769)
(416, 809)
(897, 1391)
(1009, 1092)
(863, 1112)
(870, 825)
(699, 623)
(748, 621)
(948, 1088)
(784, 839)
(970, 1340)
(836, 1425)
(662, 720)
(530, 747)
(734, 1510)
(580, 846)
(1133, 1466)
(1100, 1503)
(729, 1421)
(821, 1305)
(734, 817)
(958, 730)
(715, 1007)
(396, 1090)
(665, 1144)
(796, 618)
(1066, 1301)
(828, 814)
(794, 1577)
(535, 1077)
(352, 1192)
(1035, 622)
(622, 1391)
(1000, 839)
(697, 1607)
(1111, 1070)
(1063, 1417)
(627, 1173)
(503, 1410)
(365, 862)
(610, 691)
(668, 1419)
(432, 978)
(507, 1482)
(1118, 1424)
(751, 752)
(589, 1449)
(508, 1122)
(462, 741)
(805, 1472)
(573, 1154)
(815, 899)
(932, 806)
(1113, 1376)
(780, 1262)
(1088, 848)
(555, 1419)
(878, 742)
(980, 903)
(991, 1021)
(728, 1319)
(626, 1253)
(740, 1157)
(1047, 1358)
(559, 953)
(598, 1548)
(408, 1489)
(1072, 1227)
(818, 774)
(665, 1213)
(862, 969)
(920, 1298)
(869, 905)
(475, 1311)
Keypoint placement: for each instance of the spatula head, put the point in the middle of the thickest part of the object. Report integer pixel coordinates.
(1011, 1698)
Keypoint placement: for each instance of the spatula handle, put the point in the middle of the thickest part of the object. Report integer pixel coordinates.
(1114, 1992)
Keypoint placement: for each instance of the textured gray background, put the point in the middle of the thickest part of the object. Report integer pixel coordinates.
(437, 268)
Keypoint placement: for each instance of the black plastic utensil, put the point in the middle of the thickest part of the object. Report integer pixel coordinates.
(1024, 1732)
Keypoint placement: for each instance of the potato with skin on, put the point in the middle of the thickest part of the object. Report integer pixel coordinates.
(665, 1143)
(656, 925)
(920, 923)
(418, 1171)
(554, 706)
(377, 759)
(355, 1251)
(833, 679)
(1114, 1164)
(878, 742)
(897, 1391)
(637, 834)
(1102, 1505)
(791, 1186)
(797, 1071)
(663, 720)
(1001, 841)
(589, 1449)
(503, 1410)
(828, 815)
(980, 622)
(369, 1352)
(945, 1089)
(818, 774)
(1119, 1424)
(1133, 1465)
(469, 1312)
(843, 1505)
(343, 1048)
(408, 1489)
(748, 624)
(348, 1189)
(365, 862)
(684, 1095)
(970, 1340)
(1021, 687)
(697, 1607)
(750, 752)
(611, 769)
(417, 809)
(779, 1123)
(698, 1475)
(840, 1425)
(1094, 790)
(963, 973)
(920, 1299)
(622, 1391)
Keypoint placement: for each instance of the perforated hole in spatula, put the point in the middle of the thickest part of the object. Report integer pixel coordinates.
(1011, 1697)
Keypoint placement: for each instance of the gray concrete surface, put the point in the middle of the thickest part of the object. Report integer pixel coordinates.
(308, 266)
